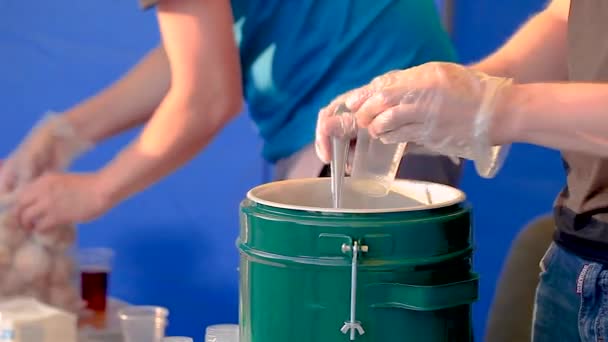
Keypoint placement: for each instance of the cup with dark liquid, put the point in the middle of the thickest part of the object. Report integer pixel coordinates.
(95, 265)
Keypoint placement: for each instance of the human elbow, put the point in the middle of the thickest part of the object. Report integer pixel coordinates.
(222, 89)
(227, 105)
(232, 105)
(213, 106)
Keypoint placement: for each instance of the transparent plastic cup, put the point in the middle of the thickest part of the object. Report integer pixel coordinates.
(143, 323)
(95, 266)
(222, 333)
(178, 339)
(375, 165)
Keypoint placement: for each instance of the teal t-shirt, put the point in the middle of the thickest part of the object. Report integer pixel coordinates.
(297, 55)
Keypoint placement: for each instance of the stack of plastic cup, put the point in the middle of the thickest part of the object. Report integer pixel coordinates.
(222, 333)
(143, 323)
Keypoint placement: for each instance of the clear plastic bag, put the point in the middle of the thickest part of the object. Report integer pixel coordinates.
(36, 264)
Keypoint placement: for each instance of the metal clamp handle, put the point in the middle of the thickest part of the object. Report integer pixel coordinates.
(353, 326)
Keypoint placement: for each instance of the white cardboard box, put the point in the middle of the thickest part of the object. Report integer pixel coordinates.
(25, 319)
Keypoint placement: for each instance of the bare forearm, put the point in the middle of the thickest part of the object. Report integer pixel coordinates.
(536, 53)
(174, 135)
(205, 93)
(564, 116)
(125, 104)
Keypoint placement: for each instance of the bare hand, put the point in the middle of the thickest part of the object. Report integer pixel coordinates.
(56, 199)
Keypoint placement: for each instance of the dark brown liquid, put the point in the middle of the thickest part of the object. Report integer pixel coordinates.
(95, 289)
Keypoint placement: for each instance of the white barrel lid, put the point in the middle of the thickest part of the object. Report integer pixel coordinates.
(314, 194)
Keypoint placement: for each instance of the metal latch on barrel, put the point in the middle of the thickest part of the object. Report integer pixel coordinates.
(353, 326)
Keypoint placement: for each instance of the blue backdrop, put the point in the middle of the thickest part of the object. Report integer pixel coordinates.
(175, 241)
(532, 176)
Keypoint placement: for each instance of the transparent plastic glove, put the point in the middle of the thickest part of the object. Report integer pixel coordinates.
(445, 107)
(331, 125)
(51, 145)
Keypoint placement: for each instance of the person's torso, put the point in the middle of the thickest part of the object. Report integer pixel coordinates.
(297, 55)
(581, 210)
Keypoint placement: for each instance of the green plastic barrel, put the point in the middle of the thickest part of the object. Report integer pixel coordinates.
(397, 271)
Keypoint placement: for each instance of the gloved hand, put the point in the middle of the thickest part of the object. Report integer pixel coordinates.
(446, 107)
(50, 146)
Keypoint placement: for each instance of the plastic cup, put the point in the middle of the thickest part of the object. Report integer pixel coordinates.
(222, 333)
(375, 165)
(95, 265)
(143, 323)
(178, 339)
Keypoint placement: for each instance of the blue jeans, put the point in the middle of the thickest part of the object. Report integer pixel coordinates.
(571, 299)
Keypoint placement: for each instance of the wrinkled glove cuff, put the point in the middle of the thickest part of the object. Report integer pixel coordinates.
(489, 158)
(65, 132)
